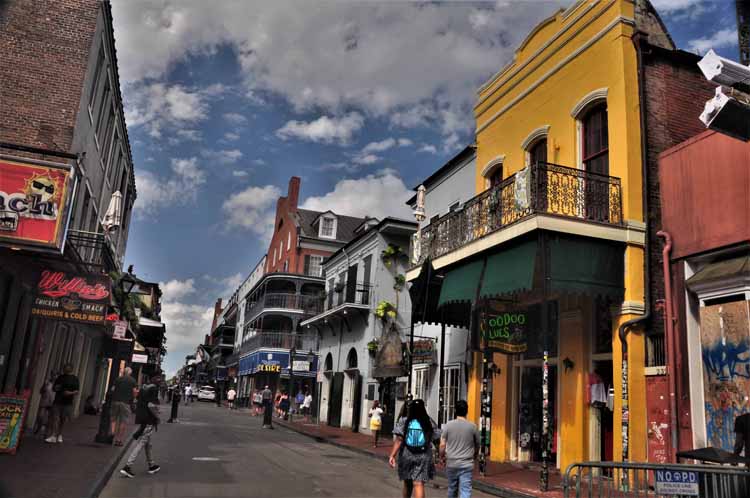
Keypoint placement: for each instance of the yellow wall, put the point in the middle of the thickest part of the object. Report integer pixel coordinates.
(548, 77)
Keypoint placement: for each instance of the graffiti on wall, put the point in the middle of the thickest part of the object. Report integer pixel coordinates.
(725, 346)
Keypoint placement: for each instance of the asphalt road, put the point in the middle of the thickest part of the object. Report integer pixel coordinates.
(214, 452)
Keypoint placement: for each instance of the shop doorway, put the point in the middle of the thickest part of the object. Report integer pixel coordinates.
(335, 398)
(388, 403)
(530, 423)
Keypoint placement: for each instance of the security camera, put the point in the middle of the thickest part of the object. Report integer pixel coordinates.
(728, 114)
(724, 71)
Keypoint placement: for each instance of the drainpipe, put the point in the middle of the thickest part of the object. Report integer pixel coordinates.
(625, 327)
(670, 342)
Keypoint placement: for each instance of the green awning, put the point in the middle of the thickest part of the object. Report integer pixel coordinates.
(510, 270)
(736, 268)
(582, 265)
(460, 284)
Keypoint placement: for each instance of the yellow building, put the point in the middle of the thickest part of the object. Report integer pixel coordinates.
(550, 253)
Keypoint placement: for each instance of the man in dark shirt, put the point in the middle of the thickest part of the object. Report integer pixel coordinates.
(123, 393)
(147, 416)
(66, 388)
(267, 397)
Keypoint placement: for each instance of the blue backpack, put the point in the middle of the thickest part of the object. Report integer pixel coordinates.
(415, 438)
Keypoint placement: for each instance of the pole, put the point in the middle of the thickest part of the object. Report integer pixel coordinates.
(411, 348)
(441, 395)
(486, 411)
(546, 441)
(291, 378)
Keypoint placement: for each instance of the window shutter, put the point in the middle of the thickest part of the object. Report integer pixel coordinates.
(307, 264)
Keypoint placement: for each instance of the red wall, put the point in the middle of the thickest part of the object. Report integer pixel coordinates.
(705, 190)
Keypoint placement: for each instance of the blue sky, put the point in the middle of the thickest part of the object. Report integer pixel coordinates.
(226, 100)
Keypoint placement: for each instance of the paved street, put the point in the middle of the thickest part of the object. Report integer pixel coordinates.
(215, 452)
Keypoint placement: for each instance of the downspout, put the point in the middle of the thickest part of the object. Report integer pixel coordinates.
(670, 342)
(625, 327)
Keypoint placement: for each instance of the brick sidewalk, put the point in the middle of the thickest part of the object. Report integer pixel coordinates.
(502, 479)
(72, 469)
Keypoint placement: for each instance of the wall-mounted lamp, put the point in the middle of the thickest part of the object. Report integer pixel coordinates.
(494, 369)
(568, 364)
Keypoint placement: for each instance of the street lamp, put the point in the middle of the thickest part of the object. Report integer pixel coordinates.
(125, 284)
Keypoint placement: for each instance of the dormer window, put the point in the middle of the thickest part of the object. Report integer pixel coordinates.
(327, 227)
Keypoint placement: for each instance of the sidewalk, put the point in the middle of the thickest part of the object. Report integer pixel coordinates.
(76, 468)
(502, 479)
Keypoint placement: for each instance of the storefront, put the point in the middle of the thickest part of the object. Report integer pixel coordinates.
(271, 368)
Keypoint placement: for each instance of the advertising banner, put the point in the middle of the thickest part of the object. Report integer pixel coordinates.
(423, 352)
(12, 414)
(34, 202)
(69, 297)
(505, 332)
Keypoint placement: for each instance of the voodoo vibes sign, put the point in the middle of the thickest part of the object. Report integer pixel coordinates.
(71, 297)
(12, 414)
(34, 202)
(505, 332)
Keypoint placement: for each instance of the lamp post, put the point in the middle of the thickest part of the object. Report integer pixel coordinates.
(125, 284)
(292, 352)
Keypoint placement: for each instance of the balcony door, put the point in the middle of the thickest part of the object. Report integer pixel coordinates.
(595, 147)
(537, 156)
(351, 284)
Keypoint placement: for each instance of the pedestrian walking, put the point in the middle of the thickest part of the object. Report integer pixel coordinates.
(284, 405)
(376, 420)
(267, 397)
(66, 388)
(231, 394)
(46, 400)
(175, 405)
(307, 406)
(188, 393)
(412, 449)
(257, 402)
(298, 400)
(123, 393)
(147, 416)
(459, 447)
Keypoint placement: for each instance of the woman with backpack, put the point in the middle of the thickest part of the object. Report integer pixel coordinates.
(413, 441)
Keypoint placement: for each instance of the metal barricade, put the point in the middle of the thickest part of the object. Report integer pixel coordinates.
(626, 480)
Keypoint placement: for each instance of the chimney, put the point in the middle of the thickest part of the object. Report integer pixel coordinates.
(293, 193)
(217, 312)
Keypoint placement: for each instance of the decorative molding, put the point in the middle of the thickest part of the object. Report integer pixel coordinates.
(538, 28)
(536, 134)
(491, 165)
(615, 22)
(628, 308)
(587, 100)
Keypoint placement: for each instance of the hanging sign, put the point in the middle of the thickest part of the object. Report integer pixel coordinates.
(505, 332)
(34, 202)
(69, 297)
(12, 414)
(423, 352)
(120, 330)
(139, 358)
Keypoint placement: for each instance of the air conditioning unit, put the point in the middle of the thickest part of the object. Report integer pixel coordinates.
(728, 114)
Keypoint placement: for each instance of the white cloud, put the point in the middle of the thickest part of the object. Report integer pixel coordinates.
(668, 6)
(231, 137)
(381, 194)
(720, 39)
(259, 162)
(186, 323)
(433, 54)
(157, 106)
(324, 129)
(179, 187)
(404, 142)
(177, 289)
(431, 149)
(240, 173)
(226, 156)
(235, 118)
(365, 159)
(381, 146)
(253, 209)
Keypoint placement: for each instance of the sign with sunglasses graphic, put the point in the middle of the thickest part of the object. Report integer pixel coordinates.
(79, 298)
(34, 200)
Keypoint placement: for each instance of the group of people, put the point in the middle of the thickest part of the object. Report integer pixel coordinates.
(416, 435)
(280, 403)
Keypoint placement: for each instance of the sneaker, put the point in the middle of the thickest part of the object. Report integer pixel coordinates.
(59, 439)
(153, 469)
(51, 439)
(127, 472)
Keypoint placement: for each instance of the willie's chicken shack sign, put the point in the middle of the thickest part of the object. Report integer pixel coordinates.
(34, 202)
(79, 298)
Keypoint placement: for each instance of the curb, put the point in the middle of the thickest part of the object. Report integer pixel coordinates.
(476, 484)
(104, 477)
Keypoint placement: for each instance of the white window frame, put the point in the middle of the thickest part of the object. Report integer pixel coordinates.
(319, 259)
(449, 408)
(288, 240)
(334, 222)
(421, 382)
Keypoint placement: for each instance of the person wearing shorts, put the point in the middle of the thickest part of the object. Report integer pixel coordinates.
(66, 388)
(376, 420)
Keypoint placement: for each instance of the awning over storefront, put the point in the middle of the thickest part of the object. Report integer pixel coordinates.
(574, 264)
(735, 269)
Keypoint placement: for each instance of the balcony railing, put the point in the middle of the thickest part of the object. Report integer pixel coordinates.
(92, 249)
(280, 340)
(310, 305)
(354, 293)
(545, 188)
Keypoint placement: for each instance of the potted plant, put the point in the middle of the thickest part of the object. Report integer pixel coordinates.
(385, 310)
(391, 254)
(372, 347)
(399, 281)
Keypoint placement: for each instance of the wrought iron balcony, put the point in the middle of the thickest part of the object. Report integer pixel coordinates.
(92, 250)
(310, 305)
(546, 188)
(349, 293)
(280, 340)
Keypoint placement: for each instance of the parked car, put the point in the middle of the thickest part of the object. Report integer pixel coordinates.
(206, 393)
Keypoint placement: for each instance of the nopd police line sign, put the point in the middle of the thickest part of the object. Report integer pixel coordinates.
(676, 482)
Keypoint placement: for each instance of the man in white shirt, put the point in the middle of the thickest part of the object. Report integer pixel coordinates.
(188, 394)
(231, 394)
(306, 405)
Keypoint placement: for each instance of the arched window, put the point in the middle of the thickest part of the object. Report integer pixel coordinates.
(328, 365)
(537, 153)
(496, 177)
(595, 139)
(493, 171)
(351, 359)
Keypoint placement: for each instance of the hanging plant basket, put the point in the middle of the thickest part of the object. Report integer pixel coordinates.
(372, 347)
(385, 311)
(399, 281)
(391, 254)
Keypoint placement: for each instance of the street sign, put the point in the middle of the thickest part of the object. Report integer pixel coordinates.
(301, 366)
(676, 482)
(120, 329)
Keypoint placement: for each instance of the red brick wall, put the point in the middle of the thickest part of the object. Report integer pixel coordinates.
(44, 48)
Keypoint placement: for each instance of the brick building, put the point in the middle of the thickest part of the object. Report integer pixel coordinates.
(62, 122)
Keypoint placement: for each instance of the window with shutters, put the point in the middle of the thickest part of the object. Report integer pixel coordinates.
(327, 227)
(421, 383)
(451, 391)
(596, 140)
(313, 265)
